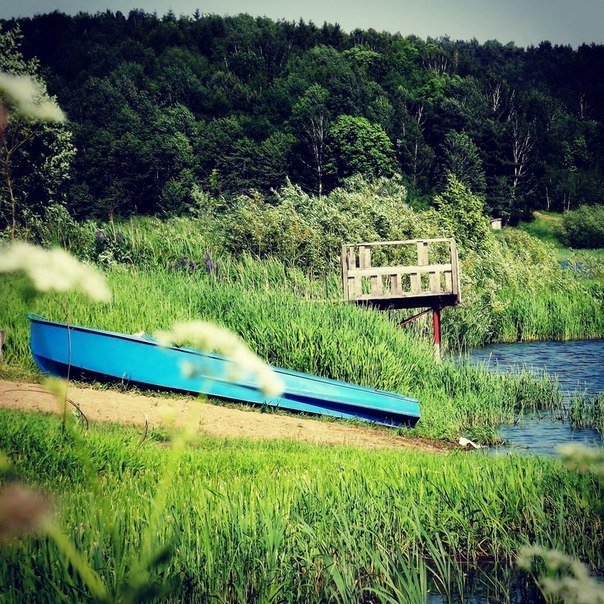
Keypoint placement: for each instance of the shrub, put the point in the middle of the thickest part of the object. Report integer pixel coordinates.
(584, 228)
(463, 215)
(307, 232)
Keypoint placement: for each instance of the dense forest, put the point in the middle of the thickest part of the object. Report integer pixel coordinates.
(163, 109)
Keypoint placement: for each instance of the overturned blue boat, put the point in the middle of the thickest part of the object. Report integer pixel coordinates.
(66, 350)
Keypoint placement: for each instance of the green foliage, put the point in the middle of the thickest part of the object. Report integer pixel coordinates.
(584, 227)
(35, 157)
(308, 232)
(513, 285)
(463, 215)
(462, 159)
(359, 147)
(247, 102)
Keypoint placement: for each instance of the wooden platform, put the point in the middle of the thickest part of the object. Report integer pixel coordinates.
(425, 275)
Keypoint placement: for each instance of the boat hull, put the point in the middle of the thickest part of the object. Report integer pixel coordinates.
(66, 350)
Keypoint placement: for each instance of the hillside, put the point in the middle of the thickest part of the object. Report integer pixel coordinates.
(162, 108)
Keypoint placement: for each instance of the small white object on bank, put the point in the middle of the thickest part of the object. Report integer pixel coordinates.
(467, 443)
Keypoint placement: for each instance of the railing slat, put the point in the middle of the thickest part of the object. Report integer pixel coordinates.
(416, 282)
(395, 284)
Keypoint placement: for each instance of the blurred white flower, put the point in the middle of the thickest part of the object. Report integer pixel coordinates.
(571, 581)
(211, 338)
(582, 458)
(53, 270)
(27, 97)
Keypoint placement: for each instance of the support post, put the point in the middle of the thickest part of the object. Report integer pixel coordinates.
(436, 329)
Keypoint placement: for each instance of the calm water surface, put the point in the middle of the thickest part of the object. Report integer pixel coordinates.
(579, 367)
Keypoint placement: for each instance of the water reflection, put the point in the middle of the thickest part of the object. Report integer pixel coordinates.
(579, 367)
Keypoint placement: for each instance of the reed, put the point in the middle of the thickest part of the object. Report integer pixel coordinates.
(587, 412)
(283, 521)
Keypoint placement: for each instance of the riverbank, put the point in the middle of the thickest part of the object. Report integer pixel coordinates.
(325, 338)
(160, 412)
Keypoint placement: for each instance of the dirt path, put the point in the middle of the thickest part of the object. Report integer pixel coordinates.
(537, 214)
(216, 420)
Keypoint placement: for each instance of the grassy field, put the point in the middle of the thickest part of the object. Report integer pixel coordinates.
(237, 521)
(295, 331)
(547, 227)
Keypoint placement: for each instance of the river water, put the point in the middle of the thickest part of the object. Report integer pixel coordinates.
(579, 367)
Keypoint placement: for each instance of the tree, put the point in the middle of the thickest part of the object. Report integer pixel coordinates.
(461, 158)
(35, 148)
(359, 147)
(311, 118)
(463, 215)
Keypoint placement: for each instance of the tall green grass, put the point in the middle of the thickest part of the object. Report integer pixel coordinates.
(513, 291)
(298, 332)
(279, 521)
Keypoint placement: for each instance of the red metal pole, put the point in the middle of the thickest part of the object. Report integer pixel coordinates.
(436, 328)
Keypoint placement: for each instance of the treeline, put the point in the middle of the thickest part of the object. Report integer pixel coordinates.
(165, 109)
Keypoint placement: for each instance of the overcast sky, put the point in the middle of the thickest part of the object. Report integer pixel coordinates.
(521, 21)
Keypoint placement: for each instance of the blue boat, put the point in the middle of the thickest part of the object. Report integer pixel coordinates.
(65, 350)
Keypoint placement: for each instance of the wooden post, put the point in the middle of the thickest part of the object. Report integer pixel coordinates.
(344, 273)
(437, 329)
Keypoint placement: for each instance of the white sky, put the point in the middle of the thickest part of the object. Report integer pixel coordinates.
(521, 21)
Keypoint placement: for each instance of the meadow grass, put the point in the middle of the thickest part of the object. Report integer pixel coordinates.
(547, 226)
(516, 292)
(240, 521)
(297, 332)
(519, 294)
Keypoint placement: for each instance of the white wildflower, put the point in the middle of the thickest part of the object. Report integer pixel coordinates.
(582, 458)
(53, 270)
(571, 581)
(211, 338)
(27, 97)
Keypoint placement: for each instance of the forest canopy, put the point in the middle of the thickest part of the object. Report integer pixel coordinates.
(164, 109)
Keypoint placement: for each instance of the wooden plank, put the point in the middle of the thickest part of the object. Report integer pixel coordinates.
(395, 284)
(376, 286)
(434, 283)
(455, 270)
(352, 260)
(402, 242)
(388, 296)
(422, 253)
(401, 270)
(358, 287)
(344, 273)
(351, 288)
(362, 256)
(448, 281)
(416, 283)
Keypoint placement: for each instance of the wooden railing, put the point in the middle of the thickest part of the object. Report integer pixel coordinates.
(364, 282)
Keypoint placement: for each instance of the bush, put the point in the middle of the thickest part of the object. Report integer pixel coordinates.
(584, 228)
(308, 232)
